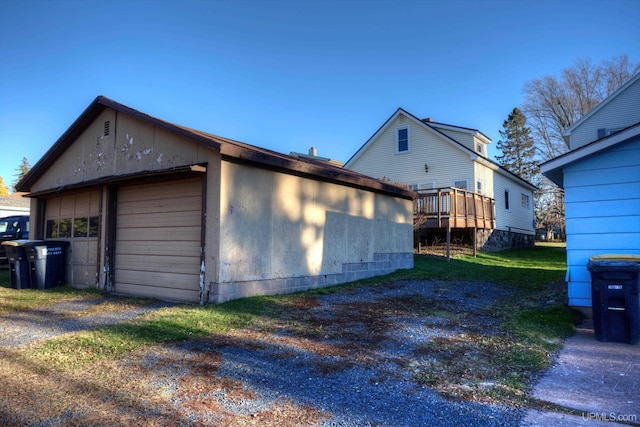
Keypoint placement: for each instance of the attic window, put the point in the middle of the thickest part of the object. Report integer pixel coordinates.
(479, 148)
(402, 139)
(107, 125)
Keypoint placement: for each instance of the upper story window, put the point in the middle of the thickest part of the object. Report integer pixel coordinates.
(479, 148)
(402, 139)
(525, 200)
(506, 199)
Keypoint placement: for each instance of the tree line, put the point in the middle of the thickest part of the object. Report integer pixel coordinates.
(532, 133)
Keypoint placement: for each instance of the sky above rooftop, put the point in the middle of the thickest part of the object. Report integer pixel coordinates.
(288, 75)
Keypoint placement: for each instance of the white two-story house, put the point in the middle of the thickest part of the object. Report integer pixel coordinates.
(426, 156)
(601, 180)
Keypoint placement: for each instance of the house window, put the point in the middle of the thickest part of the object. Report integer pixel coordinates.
(423, 187)
(479, 148)
(462, 184)
(525, 200)
(402, 139)
(506, 200)
(479, 187)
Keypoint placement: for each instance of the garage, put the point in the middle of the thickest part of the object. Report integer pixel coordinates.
(158, 240)
(156, 209)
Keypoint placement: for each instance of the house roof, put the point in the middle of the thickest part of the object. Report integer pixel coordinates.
(474, 132)
(15, 200)
(553, 169)
(435, 127)
(229, 149)
(601, 105)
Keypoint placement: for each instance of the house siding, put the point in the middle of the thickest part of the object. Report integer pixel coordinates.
(602, 204)
(517, 218)
(446, 162)
(485, 176)
(463, 138)
(621, 112)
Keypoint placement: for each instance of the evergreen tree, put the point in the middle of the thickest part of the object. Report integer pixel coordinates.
(517, 147)
(22, 171)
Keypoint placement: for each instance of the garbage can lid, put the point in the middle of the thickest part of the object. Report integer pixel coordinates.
(614, 262)
(615, 257)
(21, 242)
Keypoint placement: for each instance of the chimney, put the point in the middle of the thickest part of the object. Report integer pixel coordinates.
(313, 151)
(428, 119)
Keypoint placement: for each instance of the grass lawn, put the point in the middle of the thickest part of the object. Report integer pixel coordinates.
(533, 325)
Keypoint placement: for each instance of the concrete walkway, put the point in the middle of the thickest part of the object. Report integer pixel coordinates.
(599, 380)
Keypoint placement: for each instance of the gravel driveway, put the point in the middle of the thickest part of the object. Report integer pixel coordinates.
(353, 365)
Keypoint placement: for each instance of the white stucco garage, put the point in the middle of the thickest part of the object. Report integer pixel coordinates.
(155, 209)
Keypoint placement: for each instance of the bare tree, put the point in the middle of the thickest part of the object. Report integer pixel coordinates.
(549, 208)
(552, 104)
(618, 71)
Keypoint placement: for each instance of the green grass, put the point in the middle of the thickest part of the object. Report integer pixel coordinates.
(172, 324)
(12, 300)
(523, 268)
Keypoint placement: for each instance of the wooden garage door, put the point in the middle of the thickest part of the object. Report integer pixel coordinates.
(157, 251)
(76, 218)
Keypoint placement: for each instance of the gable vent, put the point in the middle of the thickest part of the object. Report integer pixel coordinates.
(107, 129)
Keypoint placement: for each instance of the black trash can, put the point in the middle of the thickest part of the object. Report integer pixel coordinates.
(47, 263)
(615, 297)
(18, 262)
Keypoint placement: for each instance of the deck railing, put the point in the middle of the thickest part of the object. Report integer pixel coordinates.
(454, 208)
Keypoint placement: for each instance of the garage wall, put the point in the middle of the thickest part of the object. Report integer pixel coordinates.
(158, 240)
(116, 144)
(283, 233)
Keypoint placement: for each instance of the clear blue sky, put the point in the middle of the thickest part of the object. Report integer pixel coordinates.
(288, 75)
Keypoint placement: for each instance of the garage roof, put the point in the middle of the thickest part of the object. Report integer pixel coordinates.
(230, 150)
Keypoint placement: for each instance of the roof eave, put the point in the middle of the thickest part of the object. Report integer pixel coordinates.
(553, 169)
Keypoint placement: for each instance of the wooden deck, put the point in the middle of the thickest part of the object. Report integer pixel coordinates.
(454, 208)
